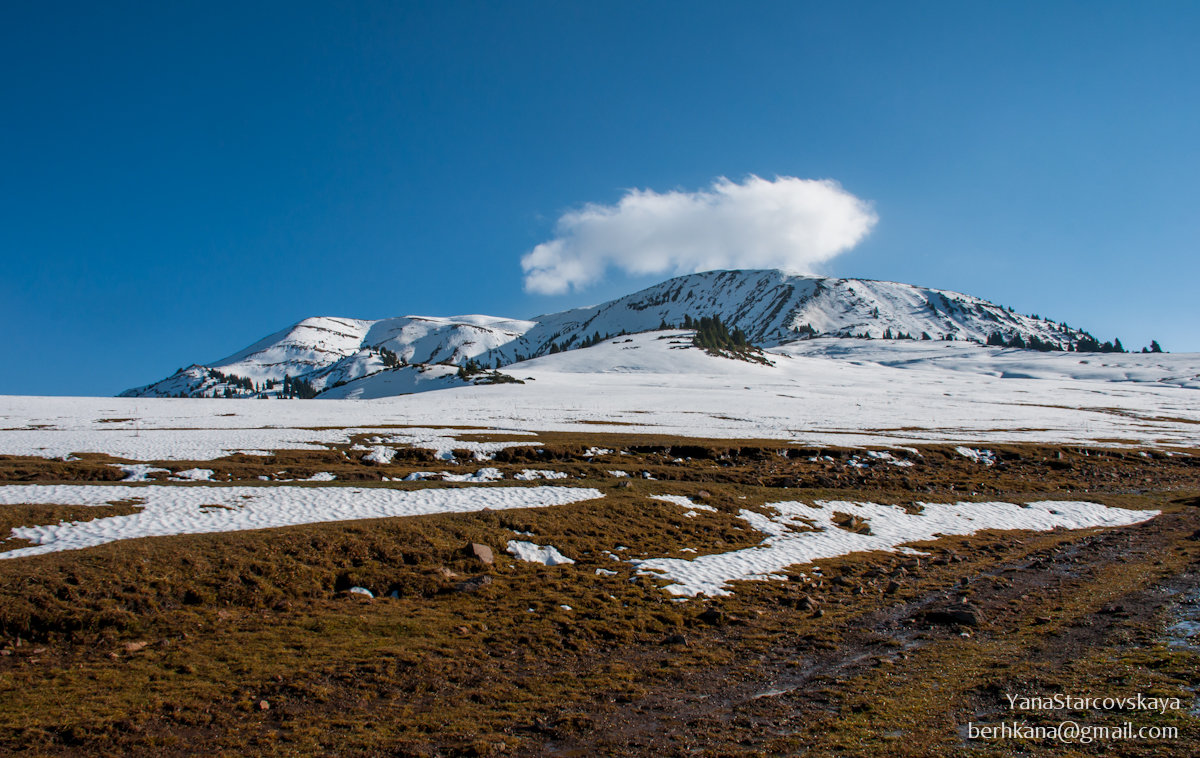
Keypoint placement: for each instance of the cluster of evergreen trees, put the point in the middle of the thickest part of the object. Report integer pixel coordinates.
(595, 339)
(713, 335)
(495, 377)
(298, 388)
(1033, 343)
(474, 371)
(232, 380)
(469, 368)
(1085, 343)
(1089, 344)
(390, 359)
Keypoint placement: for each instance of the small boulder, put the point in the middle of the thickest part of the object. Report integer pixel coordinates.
(806, 603)
(482, 553)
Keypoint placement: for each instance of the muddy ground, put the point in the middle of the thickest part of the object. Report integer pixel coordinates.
(248, 644)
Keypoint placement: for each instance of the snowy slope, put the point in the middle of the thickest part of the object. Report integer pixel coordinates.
(328, 352)
(302, 348)
(424, 339)
(772, 307)
(824, 391)
(312, 343)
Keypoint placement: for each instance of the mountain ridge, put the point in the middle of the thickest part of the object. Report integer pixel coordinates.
(770, 306)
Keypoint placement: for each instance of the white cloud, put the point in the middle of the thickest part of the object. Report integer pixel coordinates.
(788, 223)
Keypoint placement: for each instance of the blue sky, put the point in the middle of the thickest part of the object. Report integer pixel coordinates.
(180, 181)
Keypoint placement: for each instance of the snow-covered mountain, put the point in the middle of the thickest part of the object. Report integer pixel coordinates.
(772, 307)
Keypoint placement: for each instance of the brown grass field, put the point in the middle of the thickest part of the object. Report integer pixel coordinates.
(246, 643)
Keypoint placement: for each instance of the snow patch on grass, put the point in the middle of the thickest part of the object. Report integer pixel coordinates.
(891, 527)
(883, 455)
(194, 475)
(172, 510)
(547, 555)
(482, 475)
(381, 454)
(986, 457)
(139, 472)
(530, 474)
(683, 502)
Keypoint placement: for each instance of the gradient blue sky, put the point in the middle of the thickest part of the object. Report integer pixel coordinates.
(180, 179)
